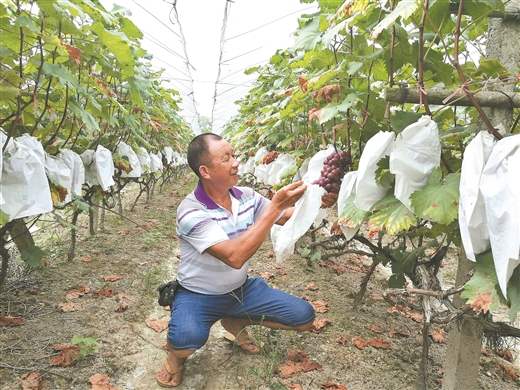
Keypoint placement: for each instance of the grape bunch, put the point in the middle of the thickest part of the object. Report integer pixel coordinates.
(334, 168)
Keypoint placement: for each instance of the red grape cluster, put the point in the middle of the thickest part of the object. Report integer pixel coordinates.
(334, 168)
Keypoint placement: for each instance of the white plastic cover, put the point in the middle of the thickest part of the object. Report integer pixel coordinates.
(125, 150)
(472, 212)
(500, 189)
(416, 152)
(25, 189)
(368, 191)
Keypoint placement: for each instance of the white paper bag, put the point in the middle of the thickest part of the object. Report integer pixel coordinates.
(100, 165)
(144, 159)
(155, 163)
(58, 171)
(125, 150)
(472, 211)
(25, 189)
(368, 191)
(168, 154)
(73, 161)
(348, 186)
(305, 213)
(500, 189)
(415, 153)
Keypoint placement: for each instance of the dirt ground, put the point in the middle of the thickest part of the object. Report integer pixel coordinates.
(142, 249)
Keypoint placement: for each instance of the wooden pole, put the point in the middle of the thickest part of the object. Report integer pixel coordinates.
(507, 100)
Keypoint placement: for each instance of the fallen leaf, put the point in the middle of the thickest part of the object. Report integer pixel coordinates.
(126, 296)
(402, 333)
(104, 293)
(287, 370)
(437, 335)
(485, 351)
(11, 321)
(85, 259)
(68, 355)
(266, 275)
(375, 329)
(379, 343)
(359, 342)
(112, 278)
(338, 270)
(319, 324)
(101, 382)
(157, 325)
(481, 303)
(506, 354)
(292, 386)
(311, 287)
(70, 306)
(342, 340)
(78, 292)
(121, 307)
(32, 381)
(31, 292)
(508, 371)
(309, 365)
(320, 306)
(297, 355)
(332, 386)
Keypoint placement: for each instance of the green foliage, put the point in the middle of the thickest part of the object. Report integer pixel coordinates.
(86, 345)
(33, 256)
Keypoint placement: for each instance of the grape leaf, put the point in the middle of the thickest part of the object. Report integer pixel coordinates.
(351, 216)
(33, 256)
(513, 294)
(393, 215)
(483, 281)
(4, 218)
(438, 201)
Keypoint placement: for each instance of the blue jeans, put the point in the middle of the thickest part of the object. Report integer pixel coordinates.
(193, 314)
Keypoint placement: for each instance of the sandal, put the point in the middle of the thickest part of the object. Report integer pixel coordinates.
(166, 365)
(249, 341)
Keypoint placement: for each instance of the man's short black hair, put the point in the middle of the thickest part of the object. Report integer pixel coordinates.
(198, 151)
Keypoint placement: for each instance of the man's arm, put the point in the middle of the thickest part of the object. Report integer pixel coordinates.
(237, 251)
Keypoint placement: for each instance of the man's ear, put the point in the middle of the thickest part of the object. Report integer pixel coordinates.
(204, 172)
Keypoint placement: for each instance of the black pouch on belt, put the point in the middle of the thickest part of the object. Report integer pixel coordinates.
(167, 292)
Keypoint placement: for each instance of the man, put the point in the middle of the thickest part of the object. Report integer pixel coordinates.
(220, 228)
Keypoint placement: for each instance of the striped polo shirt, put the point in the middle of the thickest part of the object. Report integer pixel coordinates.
(202, 223)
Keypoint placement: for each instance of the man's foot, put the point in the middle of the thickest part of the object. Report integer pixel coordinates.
(244, 340)
(170, 374)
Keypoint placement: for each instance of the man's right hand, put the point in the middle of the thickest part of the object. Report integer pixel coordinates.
(289, 195)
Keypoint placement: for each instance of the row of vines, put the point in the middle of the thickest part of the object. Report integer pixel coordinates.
(74, 77)
(331, 88)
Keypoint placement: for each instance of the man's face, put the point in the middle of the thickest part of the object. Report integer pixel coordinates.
(224, 166)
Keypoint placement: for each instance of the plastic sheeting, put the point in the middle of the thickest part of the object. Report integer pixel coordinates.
(155, 163)
(368, 191)
(144, 159)
(415, 153)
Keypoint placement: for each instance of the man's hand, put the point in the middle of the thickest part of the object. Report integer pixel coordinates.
(289, 195)
(328, 200)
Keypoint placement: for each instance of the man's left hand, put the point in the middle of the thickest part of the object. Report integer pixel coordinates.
(328, 200)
